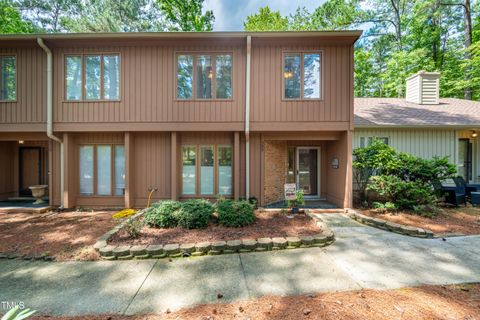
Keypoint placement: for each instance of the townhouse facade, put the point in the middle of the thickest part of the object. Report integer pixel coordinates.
(102, 119)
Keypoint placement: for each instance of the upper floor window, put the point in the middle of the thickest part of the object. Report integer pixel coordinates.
(92, 77)
(204, 76)
(302, 75)
(8, 78)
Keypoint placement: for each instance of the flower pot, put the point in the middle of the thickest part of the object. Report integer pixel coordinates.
(294, 210)
(38, 192)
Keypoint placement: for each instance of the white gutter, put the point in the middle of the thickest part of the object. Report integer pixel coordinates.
(50, 113)
(247, 119)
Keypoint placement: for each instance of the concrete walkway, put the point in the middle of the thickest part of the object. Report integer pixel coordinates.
(362, 257)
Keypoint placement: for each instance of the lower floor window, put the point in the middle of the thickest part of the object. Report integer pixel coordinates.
(102, 170)
(211, 175)
(369, 141)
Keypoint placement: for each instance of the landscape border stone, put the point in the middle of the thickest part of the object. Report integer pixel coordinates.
(176, 250)
(391, 226)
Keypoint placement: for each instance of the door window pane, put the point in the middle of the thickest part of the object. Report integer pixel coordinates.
(206, 170)
(204, 77)
(225, 170)
(111, 75)
(311, 76)
(291, 75)
(74, 77)
(92, 77)
(223, 68)
(184, 76)
(8, 82)
(307, 171)
(86, 170)
(119, 170)
(189, 157)
(104, 170)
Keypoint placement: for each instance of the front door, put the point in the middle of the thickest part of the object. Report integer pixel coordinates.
(308, 173)
(465, 159)
(30, 169)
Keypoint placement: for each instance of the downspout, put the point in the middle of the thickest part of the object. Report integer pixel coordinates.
(247, 119)
(50, 113)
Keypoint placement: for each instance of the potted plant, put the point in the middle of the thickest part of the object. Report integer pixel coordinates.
(299, 201)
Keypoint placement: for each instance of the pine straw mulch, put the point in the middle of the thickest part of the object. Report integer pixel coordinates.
(63, 235)
(424, 302)
(267, 224)
(461, 220)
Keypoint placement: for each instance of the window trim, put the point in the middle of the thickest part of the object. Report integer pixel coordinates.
(102, 89)
(14, 55)
(198, 192)
(95, 173)
(195, 54)
(302, 72)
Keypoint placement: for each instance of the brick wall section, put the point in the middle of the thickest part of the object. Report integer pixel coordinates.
(276, 165)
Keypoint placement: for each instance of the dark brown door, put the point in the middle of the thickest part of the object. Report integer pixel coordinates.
(30, 169)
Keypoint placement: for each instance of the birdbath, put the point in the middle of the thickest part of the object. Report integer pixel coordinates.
(38, 191)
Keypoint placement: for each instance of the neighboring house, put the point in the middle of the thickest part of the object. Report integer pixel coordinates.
(104, 118)
(423, 124)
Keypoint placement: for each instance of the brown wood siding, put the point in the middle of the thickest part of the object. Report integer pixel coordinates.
(267, 103)
(30, 106)
(151, 166)
(147, 89)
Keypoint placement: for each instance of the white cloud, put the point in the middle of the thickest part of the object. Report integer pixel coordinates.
(230, 14)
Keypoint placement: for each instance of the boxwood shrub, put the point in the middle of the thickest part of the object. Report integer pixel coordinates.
(235, 213)
(163, 214)
(195, 214)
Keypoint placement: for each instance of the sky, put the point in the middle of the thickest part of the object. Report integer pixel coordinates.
(230, 14)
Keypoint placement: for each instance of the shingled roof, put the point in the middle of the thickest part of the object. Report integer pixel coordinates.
(392, 112)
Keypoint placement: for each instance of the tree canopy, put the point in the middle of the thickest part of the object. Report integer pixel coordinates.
(400, 38)
(105, 16)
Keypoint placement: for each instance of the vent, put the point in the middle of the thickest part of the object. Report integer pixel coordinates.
(423, 88)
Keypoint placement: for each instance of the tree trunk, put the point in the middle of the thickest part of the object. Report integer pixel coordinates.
(467, 23)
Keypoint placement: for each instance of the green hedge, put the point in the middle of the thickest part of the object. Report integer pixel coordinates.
(235, 213)
(163, 214)
(195, 214)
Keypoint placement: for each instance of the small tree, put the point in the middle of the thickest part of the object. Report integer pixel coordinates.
(375, 159)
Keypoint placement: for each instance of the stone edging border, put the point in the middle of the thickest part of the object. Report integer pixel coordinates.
(175, 250)
(391, 226)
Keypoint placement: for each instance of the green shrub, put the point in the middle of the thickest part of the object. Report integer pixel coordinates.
(163, 214)
(402, 194)
(195, 214)
(426, 210)
(235, 213)
(384, 207)
(133, 227)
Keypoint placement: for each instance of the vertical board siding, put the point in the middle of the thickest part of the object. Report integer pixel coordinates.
(30, 105)
(267, 87)
(152, 166)
(424, 143)
(147, 89)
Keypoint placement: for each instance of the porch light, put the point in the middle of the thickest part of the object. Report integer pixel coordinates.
(287, 74)
(474, 134)
(210, 74)
(21, 142)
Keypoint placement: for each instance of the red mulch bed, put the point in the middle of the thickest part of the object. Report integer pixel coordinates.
(425, 302)
(464, 220)
(63, 235)
(267, 224)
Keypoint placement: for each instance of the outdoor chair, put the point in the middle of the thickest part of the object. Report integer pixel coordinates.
(453, 195)
(463, 185)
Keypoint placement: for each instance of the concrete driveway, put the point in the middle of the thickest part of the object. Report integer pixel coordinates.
(362, 257)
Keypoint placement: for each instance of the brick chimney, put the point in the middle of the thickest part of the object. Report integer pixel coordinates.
(423, 88)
